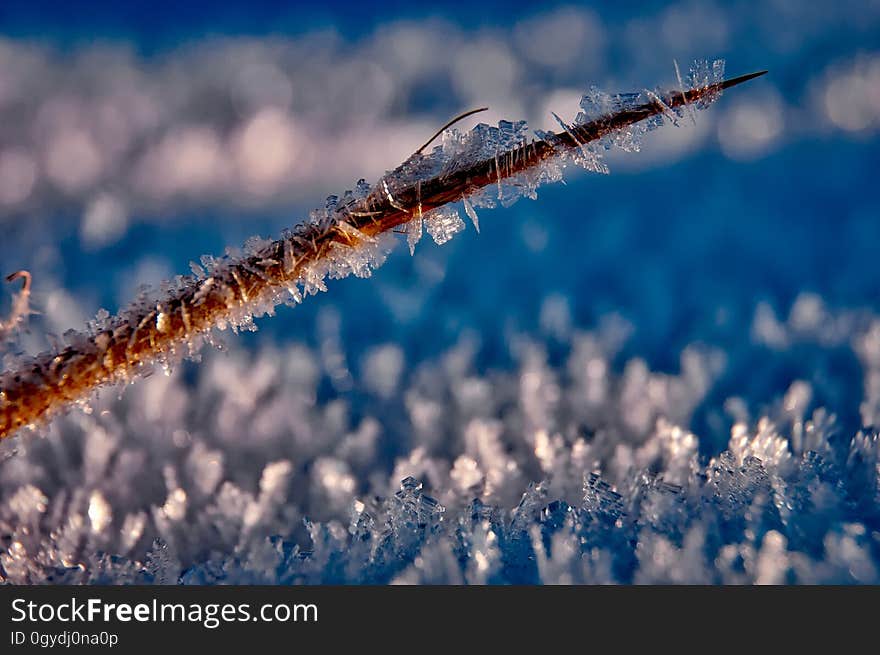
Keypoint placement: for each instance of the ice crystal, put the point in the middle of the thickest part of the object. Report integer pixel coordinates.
(414, 229)
(472, 213)
(443, 223)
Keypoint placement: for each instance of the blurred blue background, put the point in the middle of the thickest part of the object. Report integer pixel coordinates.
(135, 137)
(630, 379)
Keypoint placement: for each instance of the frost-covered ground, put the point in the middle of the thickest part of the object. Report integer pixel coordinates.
(568, 466)
(664, 375)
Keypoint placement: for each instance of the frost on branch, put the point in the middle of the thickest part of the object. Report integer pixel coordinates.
(458, 151)
(350, 235)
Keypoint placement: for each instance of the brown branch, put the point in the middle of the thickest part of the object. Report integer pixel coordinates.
(162, 331)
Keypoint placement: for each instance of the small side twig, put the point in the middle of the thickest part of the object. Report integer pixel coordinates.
(449, 124)
(20, 305)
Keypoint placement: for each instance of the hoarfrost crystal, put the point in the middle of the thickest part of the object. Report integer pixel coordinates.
(443, 223)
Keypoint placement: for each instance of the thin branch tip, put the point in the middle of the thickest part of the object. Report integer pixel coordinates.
(734, 81)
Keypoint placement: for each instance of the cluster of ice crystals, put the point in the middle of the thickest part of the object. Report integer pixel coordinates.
(462, 149)
(443, 223)
(350, 252)
(498, 145)
(457, 151)
(703, 74)
(596, 105)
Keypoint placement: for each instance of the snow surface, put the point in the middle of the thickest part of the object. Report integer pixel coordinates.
(579, 468)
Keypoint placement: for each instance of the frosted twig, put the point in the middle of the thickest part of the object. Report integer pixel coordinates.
(341, 239)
